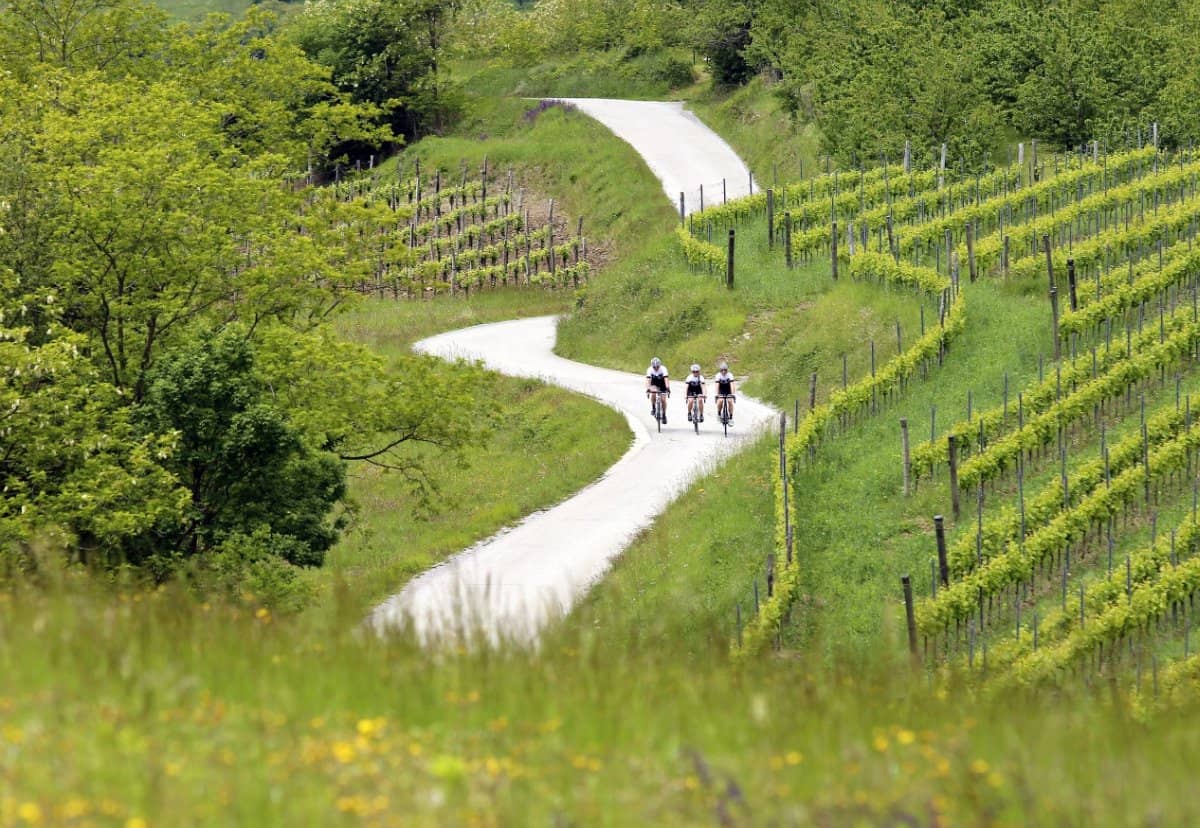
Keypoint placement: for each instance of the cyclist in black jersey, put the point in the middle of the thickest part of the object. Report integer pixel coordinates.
(695, 395)
(726, 392)
(658, 382)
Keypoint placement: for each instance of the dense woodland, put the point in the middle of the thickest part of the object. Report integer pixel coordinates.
(871, 74)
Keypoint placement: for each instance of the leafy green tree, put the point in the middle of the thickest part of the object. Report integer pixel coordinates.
(875, 74)
(71, 462)
(133, 206)
(245, 467)
(388, 53)
(1064, 97)
(110, 35)
(722, 32)
(269, 96)
(386, 415)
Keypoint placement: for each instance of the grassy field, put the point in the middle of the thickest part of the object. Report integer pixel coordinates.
(132, 709)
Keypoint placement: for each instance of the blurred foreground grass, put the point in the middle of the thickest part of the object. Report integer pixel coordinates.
(129, 708)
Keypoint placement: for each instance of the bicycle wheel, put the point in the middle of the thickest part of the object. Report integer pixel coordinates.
(658, 417)
(696, 415)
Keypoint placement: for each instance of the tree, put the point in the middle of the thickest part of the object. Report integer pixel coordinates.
(722, 32)
(1065, 96)
(245, 467)
(70, 460)
(386, 415)
(135, 208)
(388, 53)
(269, 96)
(111, 35)
(875, 74)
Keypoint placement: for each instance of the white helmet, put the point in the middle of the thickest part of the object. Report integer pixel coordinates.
(656, 363)
(695, 368)
(724, 366)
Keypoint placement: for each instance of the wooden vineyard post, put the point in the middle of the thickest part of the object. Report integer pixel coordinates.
(971, 249)
(783, 446)
(729, 262)
(906, 458)
(1071, 284)
(681, 211)
(1049, 259)
(1054, 321)
(939, 528)
(833, 250)
(952, 455)
(812, 391)
(771, 217)
(909, 615)
(787, 239)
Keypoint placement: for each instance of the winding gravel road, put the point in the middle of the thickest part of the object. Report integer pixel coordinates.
(680, 150)
(508, 587)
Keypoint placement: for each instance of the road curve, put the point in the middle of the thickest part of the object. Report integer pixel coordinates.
(680, 150)
(511, 585)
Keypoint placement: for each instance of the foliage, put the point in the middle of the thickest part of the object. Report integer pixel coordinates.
(386, 53)
(554, 28)
(246, 469)
(70, 459)
(109, 35)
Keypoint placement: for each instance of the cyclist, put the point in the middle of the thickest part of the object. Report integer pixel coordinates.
(657, 382)
(725, 391)
(695, 394)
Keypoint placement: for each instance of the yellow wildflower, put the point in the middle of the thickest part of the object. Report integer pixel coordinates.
(905, 737)
(880, 743)
(30, 812)
(369, 727)
(343, 752)
(135, 822)
(979, 767)
(794, 757)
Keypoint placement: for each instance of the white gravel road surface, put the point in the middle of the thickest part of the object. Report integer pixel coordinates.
(510, 585)
(680, 150)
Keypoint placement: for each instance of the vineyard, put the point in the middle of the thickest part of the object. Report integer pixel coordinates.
(1069, 541)
(424, 235)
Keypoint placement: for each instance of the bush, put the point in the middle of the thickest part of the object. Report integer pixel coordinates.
(661, 67)
(255, 568)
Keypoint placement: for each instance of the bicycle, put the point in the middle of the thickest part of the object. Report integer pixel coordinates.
(660, 406)
(723, 401)
(697, 411)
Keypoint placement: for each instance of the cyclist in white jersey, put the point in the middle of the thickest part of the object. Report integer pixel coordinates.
(658, 382)
(695, 394)
(726, 391)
